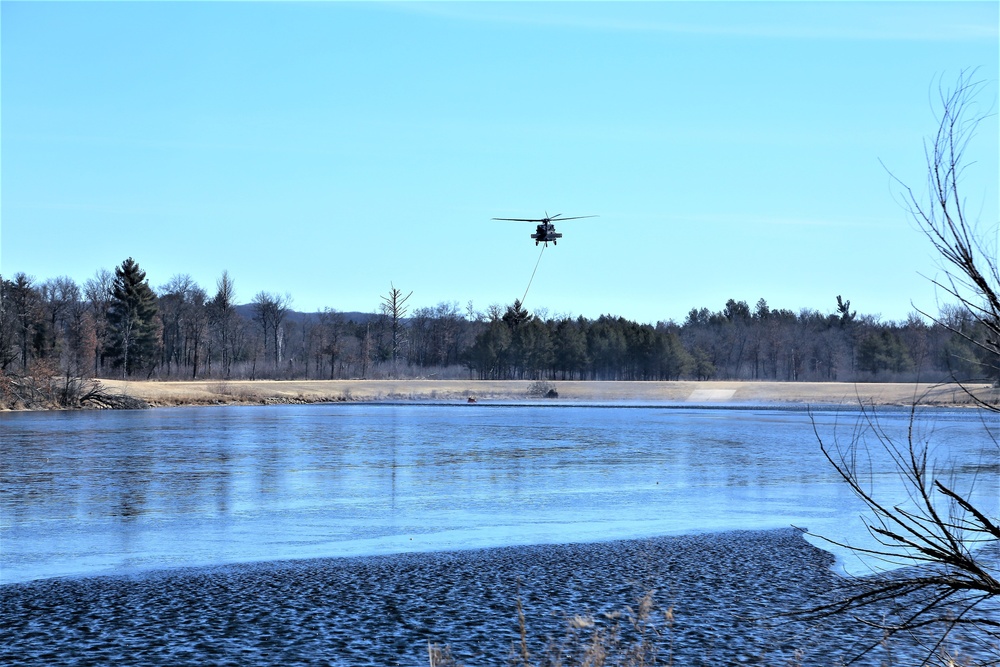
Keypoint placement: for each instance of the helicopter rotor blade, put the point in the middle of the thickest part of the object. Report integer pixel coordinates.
(548, 218)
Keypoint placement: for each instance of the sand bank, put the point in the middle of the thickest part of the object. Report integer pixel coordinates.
(383, 610)
(246, 392)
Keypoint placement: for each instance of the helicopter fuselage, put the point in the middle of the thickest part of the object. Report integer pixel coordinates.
(546, 232)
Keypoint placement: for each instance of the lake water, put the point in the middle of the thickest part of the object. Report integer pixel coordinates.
(85, 493)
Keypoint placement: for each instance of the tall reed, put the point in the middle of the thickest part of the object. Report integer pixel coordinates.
(626, 638)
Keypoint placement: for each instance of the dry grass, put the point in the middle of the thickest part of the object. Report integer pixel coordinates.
(626, 638)
(245, 392)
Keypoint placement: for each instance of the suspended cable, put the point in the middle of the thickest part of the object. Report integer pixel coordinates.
(533, 274)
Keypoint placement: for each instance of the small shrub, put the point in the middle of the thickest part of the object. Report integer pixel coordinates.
(222, 388)
(542, 389)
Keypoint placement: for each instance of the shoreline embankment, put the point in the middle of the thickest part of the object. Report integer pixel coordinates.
(267, 392)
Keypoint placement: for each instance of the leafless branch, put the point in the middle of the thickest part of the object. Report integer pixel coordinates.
(951, 546)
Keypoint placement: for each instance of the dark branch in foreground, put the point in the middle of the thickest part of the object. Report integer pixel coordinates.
(948, 549)
(972, 276)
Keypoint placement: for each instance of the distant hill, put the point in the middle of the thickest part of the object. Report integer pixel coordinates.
(246, 310)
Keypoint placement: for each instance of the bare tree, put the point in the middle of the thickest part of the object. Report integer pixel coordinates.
(9, 349)
(175, 302)
(97, 292)
(331, 332)
(270, 310)
(394, 307)
(937, 527)
(970, 266)
(281, 306)
(58, 296)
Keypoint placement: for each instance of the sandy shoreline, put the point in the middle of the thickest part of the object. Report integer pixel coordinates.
(258, 392)
(383, 610)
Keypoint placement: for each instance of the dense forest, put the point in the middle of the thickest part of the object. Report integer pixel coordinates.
(116, 325)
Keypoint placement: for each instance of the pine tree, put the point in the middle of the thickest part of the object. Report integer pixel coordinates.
(132, 324)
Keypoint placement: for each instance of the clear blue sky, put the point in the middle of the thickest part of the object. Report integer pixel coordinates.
(325, 150)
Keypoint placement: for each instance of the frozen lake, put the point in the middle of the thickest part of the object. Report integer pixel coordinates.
(86, 493)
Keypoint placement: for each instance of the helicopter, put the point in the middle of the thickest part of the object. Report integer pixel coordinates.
(546, 231)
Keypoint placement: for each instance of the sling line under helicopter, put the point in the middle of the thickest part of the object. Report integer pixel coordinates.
(533, 274)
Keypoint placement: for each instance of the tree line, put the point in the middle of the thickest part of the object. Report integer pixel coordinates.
(116, 325)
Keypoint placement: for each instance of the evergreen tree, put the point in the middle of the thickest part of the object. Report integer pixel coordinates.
(222, 322)
(490, 354)
(516, 315)
(132, 323)
(25, 304)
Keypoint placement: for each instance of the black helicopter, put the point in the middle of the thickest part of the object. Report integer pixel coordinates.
(546, 231)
